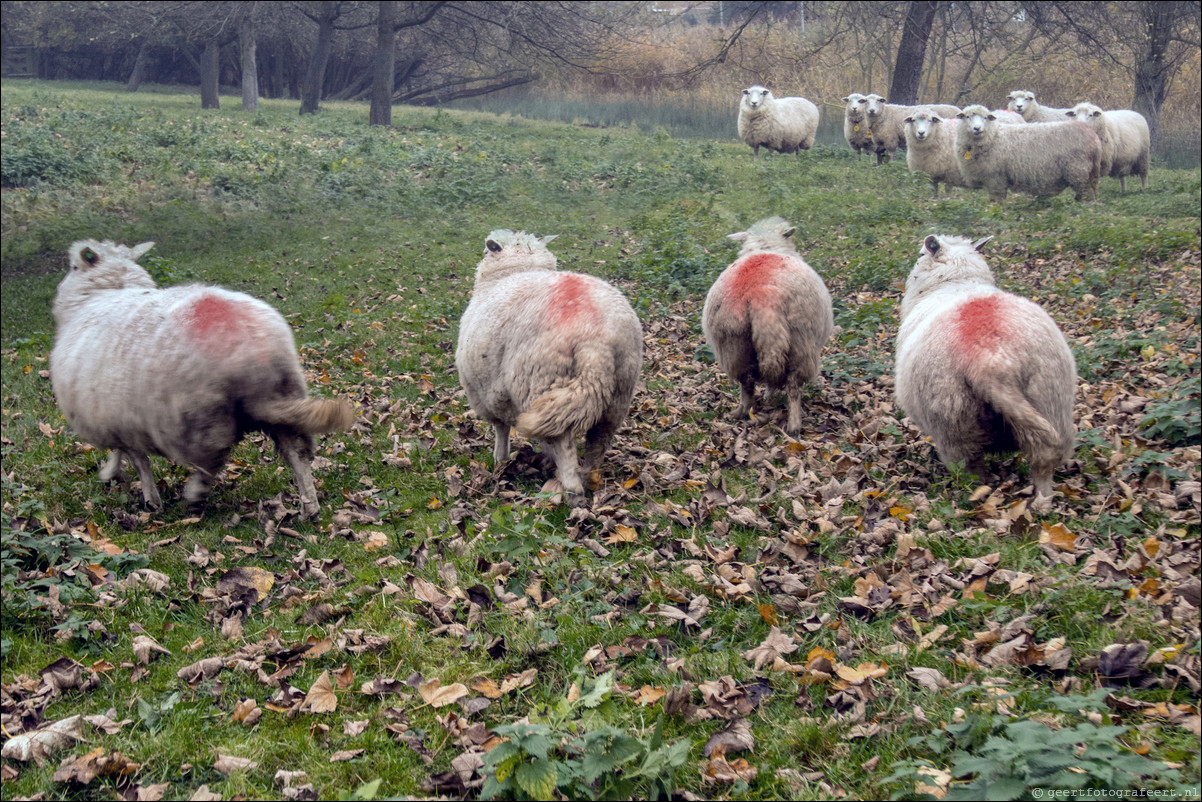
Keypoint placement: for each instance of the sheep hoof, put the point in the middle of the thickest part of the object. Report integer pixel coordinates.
(1041, 504)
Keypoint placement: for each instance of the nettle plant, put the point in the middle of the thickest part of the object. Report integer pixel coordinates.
(569, 747)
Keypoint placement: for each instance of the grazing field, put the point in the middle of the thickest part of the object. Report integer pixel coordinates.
(736, 613)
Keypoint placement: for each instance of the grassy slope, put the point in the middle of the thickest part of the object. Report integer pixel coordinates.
(366, 239)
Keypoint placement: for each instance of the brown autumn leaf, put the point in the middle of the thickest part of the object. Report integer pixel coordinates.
(43, 742)
(719, 770)
(438, 696)
(345, 755)
(99, 762)
(776, 645)
(247, 712)
(228, 764)
(320, 698)
(489, 688)
(243, 579)
(648, 695)
(1059, 537)
(145, 647)
(734, 737)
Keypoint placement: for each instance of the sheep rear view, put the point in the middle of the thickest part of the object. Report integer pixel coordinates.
(556, 354)
(768, 316)
(181, 372)
(980, 370)
(785, 125)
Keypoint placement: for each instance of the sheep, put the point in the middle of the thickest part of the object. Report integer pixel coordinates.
(182, 372)
(767, 317)
(887, 123)
(1025, 104)
(1126, 142)
(981, 370)
(931, 148)
(1040, 159)
(556, 354)
(785, 125)
(855, 127)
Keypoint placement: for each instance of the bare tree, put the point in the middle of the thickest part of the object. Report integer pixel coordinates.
(911, 52)
(247, 30)
(331, 16)
(1151, 41)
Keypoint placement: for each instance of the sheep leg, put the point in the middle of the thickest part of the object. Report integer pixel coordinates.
(596, 441)
(746, 399)
(150, 492)
(196, 489)
(112, 466)
(793, 398)
(297, 448)
(500, 451)
(567, 469)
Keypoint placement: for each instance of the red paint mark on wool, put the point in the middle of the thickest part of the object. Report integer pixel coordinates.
(213, 320)
(981, 325)
(752, 280)
(571, 302)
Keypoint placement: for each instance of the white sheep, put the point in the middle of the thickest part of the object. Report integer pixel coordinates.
(183, 372)
(556, 354)
(855, 124)
(1040, 159)
(768, 316)
(785, 125)
(1024, 103)
(1126, 141)
(931, 148)
(887, 123)
(980, 370)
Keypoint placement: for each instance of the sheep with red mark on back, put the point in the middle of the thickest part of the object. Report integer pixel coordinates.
(556, 354)
(980, 370)
(182, 372)
(767, 317)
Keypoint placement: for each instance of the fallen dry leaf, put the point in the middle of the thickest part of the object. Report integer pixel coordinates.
(320, 698)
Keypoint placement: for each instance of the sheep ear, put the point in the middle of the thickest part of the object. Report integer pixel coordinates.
(981, 243)
(493, 245)
(932, 245)
(847, 99)
(740, 236)
(789, 232)
(547, 239)
(90, 256)
(909, 119)
(961, 116)
(137, 251)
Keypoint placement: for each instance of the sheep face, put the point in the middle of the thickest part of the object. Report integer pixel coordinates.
(756, 97)
(873, 105)
(1085, 112)
(977, 119)
(923, 124)
(854, 106)
(1019, 101)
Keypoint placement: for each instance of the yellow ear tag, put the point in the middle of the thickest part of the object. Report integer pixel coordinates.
(967, 155)
(857, 128)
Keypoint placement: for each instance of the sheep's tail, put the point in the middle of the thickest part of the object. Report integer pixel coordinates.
(771, 337)
(308, 415)
(1035, 435)
(576, 404)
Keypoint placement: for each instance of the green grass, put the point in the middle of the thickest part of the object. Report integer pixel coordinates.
(367, 240)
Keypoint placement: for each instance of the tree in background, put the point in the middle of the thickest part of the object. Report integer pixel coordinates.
(911, 52)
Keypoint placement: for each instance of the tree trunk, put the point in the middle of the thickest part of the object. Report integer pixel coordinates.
(382, 65)
(210, 75)
(1151, 74)
(139, 72)
(250, 67)
(315, 74)
(911, 52)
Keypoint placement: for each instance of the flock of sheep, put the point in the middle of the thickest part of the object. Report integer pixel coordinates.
(185, 372)
(1025, 147)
